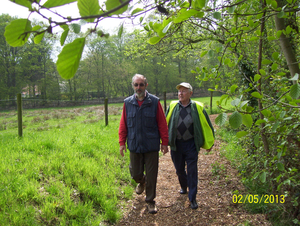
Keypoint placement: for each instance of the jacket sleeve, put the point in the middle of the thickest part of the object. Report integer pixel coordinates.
(162, 125)
(123, 128)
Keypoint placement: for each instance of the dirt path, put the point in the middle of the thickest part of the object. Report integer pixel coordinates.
(214, 197)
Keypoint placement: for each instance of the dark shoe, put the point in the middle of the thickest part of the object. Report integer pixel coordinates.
(194, 204)
(140, 188)
(152, 208)
(183, 191)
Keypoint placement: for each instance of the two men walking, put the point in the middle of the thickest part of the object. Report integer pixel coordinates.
(185, 129)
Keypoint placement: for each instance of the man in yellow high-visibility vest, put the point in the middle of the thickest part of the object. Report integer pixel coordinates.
(189, 129)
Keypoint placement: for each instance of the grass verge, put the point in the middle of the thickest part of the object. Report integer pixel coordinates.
(66, 172)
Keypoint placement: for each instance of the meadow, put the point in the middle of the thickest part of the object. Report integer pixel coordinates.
(66, 169)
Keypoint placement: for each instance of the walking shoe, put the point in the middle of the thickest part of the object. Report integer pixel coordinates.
(140, 188)
(194, 204)
(183, 191)
(152, 208)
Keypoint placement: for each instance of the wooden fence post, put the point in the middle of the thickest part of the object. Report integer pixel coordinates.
(165, 101)
(19, 108)
(106, 111)
(211, 100)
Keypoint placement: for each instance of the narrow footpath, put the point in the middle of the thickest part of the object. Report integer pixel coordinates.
(214, 197)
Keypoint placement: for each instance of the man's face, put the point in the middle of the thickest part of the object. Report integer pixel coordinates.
(184, 94)
(139, 86)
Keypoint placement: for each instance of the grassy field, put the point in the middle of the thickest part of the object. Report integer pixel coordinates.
(66, 169)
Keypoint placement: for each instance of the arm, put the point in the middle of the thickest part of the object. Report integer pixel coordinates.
(123, 132)
(162, 128)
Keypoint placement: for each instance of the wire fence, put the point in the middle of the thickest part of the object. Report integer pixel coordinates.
(42, 103)
(35, 103)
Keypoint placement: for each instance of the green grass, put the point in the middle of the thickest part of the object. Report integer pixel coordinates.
(66, 169)
(230, 147)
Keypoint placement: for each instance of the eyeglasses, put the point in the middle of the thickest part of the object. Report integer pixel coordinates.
(136, 84)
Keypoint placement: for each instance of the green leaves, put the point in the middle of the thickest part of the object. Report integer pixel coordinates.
(18, 32)
(198, 4)
(263, 176)
(295, 78)
(64, 34)
(257, 77)
(295, 91)
(241, 134)
(165, 30)
(88, 7)
(161, 29)
(233, 88)
(137, 10)
(247, 120)
(217, 15)
(120, 31)
(185, 14)
(76, 28)
(280, 166)
(221, 119)
(69, 58)
(55, 3)
(111, 4)
(257, 95)
(266, 61)
(25, 3)
(235, 120)
(39, 36)
(154, 40)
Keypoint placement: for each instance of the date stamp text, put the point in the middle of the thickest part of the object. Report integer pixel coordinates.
(249, 198)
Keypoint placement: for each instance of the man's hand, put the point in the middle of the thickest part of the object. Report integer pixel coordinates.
(208, 150)
(122, 149)
(164, 149)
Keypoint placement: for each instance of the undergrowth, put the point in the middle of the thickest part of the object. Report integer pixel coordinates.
(264, 197)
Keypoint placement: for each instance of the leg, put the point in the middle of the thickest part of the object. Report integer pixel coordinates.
(151, 165)
(179, 163)
(136, 167)
(192, 170)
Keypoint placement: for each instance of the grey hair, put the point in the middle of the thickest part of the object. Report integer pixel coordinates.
(139, 76)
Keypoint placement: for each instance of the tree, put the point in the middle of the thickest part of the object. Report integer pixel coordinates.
(10, 64)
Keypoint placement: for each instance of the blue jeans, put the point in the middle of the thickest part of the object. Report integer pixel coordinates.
(186, 155)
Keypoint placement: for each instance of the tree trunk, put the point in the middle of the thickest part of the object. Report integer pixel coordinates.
(70, 88)
(260, 106)
(286, 44)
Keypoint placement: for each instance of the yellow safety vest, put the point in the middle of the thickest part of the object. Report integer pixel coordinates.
(206, 129)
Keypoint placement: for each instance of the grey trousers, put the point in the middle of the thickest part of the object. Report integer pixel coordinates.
(148, 162)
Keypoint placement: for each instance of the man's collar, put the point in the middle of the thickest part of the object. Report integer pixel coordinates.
(190, 102)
